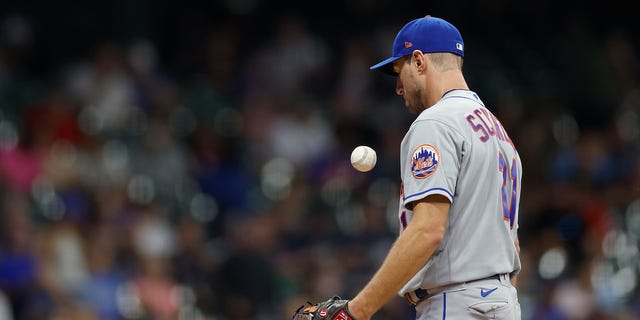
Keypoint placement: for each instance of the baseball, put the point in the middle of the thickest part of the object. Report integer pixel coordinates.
(363, 158)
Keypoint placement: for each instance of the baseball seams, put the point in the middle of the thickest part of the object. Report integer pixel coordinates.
(363, 157)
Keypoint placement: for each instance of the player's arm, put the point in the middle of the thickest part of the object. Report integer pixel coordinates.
(407, 256)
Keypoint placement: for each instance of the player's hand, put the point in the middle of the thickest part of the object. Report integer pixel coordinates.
(332, 309)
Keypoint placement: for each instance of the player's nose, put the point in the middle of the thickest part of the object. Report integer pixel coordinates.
(399, 87)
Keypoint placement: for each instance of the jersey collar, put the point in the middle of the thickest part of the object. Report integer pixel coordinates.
(452, 90)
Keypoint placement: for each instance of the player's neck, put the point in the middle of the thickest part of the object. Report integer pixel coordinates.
(446, 82)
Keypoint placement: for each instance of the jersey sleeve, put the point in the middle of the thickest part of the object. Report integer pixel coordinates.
(431, 161)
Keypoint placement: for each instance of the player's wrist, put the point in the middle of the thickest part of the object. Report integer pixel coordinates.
(358, 310)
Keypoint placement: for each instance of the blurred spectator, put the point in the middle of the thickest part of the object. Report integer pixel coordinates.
(99, 291)
(19, 263)
(195, 263)
(104, 89)
(301, 134)
(63, 253)
(247, 280)
(292, 60)
(20, 167)
(150, 157)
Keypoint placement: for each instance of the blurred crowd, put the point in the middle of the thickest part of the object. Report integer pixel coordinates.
(201, 170)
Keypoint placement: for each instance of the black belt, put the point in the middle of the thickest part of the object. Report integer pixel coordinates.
(416, 296)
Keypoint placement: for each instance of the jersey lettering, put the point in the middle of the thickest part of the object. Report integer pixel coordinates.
(482, 114)
(509, 201)
(482, 121)
(478, 127)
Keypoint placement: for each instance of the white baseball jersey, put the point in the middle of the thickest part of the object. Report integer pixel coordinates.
(457, 148)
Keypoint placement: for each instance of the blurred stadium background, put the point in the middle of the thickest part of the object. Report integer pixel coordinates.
(189, 159)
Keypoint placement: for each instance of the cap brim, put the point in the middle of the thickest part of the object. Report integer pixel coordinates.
(386, 66)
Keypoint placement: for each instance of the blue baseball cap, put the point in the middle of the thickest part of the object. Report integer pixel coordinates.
(428, 34)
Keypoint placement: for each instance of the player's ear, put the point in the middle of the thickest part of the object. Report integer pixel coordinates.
(419, 60)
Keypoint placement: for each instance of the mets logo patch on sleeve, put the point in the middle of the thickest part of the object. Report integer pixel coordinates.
(424, 161)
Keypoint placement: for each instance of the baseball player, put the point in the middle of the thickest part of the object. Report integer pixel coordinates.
(457, 253)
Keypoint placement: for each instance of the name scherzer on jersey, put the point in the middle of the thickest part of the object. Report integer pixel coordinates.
(457, 148)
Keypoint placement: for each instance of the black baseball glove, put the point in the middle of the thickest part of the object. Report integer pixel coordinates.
(332, 309)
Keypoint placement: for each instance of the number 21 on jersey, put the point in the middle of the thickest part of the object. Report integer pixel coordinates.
(509, 179)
